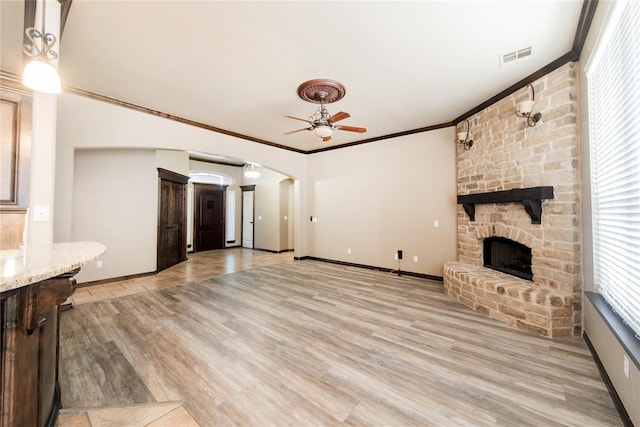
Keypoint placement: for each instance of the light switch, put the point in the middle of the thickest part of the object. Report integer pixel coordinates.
(259, 217)
(41, 213)
(285, 217)
(436, 223)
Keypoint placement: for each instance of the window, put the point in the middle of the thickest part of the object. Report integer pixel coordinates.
(203, 177)
(613, 79)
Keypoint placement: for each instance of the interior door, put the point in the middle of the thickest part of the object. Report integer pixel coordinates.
(172, 214)
(209, 217)
(247, 219)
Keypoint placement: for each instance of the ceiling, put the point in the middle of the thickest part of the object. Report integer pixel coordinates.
(236, 65)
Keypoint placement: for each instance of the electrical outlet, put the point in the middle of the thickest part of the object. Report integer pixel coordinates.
(395, 256)
(348, 250)
(99, 263)
(399, 253)
(415, 258)
(625, 366)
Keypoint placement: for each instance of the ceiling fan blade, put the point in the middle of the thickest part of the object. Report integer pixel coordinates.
(351, 128)
(326, 138)
(298, 118)
(339, 116)
(297, 130)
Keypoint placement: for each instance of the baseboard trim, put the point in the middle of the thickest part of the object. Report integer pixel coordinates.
(115, 279)
(273, 251)
(624, 415)
(372, 267)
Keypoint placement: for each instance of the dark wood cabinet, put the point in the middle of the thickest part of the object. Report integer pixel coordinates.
(29, 338)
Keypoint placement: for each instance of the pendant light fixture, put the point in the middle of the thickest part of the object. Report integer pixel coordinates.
(39, 74)
(251, 170)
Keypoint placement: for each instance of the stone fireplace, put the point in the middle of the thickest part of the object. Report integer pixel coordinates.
(508, 163)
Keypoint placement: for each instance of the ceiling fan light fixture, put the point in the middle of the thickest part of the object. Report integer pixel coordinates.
(322, 131)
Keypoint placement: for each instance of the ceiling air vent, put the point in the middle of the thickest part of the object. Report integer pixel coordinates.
(510, 57)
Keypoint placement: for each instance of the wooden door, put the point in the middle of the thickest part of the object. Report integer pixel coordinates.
(209, 216)
(172, 214)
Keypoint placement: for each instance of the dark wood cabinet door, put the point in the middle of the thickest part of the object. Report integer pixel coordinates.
(209, 217)
(29, 337)
(172, 242)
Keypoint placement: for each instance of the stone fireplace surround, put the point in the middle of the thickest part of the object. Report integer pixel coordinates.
(522, 303)
(509, 155)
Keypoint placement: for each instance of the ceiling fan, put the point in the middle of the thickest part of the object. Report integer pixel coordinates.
(323, 91)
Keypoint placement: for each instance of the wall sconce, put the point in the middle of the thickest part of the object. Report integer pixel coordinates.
(524, 109)
(463, 138)
(251, 170)
(39, 74)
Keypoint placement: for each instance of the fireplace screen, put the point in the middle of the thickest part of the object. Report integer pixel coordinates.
(508, 256)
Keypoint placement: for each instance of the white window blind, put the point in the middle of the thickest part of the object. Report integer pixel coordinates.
(613, 78)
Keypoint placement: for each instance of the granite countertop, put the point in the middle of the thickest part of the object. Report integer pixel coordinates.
(22, 267)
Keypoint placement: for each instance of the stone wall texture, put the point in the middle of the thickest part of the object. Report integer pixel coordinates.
(508, 154)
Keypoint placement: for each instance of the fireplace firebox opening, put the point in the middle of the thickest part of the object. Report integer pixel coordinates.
(508, 256)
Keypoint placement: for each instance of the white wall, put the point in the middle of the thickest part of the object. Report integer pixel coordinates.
(380, 197)
(115, 195)
(373, 198)
(285, 215)
(267, 214)
(173, 160)
(87, 123)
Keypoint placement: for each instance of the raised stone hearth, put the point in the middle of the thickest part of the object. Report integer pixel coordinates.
(508, 155)
(510, 299)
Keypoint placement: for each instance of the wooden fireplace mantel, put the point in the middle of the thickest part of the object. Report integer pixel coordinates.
(531, 198)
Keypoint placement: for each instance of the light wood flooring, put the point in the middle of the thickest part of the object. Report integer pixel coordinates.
(306, 343)
(200, 266)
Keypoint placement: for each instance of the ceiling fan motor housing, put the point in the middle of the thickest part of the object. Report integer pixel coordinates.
(321, 91)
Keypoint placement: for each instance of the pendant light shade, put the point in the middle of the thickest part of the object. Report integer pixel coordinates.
(251, 170)
(42, 77)
(39, 74)
(322, 131)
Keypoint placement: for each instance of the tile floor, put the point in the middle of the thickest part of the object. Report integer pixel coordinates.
(165, 414)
